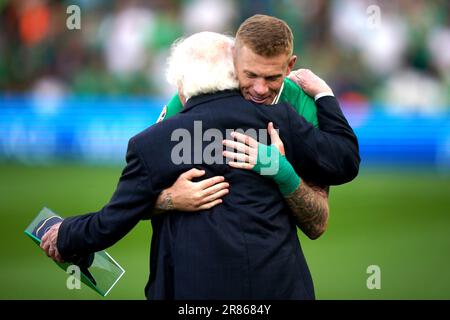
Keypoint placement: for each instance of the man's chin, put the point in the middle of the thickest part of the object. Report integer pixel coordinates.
(260, 101)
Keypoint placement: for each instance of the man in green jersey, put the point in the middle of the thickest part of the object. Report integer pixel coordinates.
(263, 78)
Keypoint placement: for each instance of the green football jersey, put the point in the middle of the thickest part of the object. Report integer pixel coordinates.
(290, 92)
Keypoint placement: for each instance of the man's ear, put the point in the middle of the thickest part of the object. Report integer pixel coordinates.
(291, 63)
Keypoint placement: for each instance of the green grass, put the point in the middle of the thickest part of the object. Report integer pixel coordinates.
(399, 221)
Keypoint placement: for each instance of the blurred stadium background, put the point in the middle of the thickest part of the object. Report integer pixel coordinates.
(71, 99)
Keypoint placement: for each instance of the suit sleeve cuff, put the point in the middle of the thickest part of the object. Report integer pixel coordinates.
(62, 241)
(323, 94)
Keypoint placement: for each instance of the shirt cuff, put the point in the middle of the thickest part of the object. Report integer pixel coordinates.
(323, 94)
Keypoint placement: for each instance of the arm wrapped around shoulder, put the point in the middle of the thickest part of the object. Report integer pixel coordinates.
(325, 156)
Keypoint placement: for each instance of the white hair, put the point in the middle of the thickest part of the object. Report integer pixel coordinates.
(202, 63)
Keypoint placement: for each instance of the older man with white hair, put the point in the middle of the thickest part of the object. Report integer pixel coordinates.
(195, 72)
(246, 247)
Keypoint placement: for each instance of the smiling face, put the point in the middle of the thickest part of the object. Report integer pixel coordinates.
(260, 78)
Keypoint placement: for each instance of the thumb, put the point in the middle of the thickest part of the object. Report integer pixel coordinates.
(193, 173)
(275, 138)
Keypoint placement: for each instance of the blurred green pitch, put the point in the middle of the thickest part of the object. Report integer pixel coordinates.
(398, 221)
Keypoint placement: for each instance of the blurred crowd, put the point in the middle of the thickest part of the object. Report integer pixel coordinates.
(394, 53)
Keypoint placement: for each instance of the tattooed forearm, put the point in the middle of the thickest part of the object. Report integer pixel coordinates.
(163, 203)
(309, 206)
(166, 203)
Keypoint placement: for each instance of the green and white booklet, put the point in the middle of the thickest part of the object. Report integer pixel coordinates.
(99, 271)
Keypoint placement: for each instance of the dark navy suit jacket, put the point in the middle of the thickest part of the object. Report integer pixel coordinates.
(244, 248)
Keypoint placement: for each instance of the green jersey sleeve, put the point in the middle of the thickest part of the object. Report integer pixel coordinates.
(172, 108)
(300, 101)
